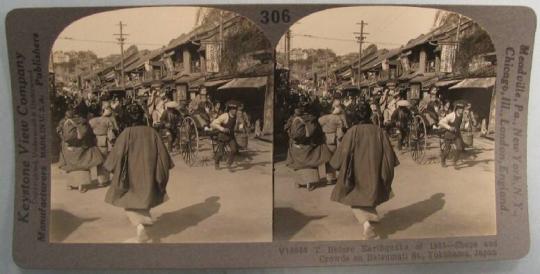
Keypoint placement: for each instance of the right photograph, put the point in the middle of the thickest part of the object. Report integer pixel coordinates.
(384, 126)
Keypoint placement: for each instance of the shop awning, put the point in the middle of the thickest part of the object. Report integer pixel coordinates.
(445, 83)
(407, 76)
(187, 78)
(156, 84)
(364, 83)
(475, 83)
(253, 82)
(346, 74)
(141, 91)
(215, 83)
(425, 80)
(196, 84)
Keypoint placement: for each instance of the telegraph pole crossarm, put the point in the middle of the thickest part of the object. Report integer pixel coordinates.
(360, 38)
(121, 41)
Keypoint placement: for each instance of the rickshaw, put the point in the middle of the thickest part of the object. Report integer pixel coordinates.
(420, 132)
(196, 137)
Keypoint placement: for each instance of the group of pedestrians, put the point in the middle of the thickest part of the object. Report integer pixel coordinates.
(348, 145)
(348, 138)
(127, 143)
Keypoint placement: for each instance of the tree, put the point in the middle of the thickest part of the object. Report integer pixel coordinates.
(242, 38)
(239, 39)
(445, 18)
(476, 43)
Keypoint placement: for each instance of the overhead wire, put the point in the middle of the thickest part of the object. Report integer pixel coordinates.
(105, 41)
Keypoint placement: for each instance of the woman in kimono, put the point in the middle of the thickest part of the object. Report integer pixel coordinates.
(79, 153)
(307, 147)
(141, 164)
(105, 128)
(365, 160)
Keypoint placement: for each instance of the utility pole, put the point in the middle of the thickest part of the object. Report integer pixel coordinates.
(288, 48)
(326, 73)
(121, 40)
(326, 67)
(221, 42)
(360, 40)
(458, 30)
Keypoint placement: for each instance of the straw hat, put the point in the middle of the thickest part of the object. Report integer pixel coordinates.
(172, 104)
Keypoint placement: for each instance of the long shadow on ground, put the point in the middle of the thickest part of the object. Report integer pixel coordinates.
(172, 223)
(288, 221)
(63, 223)
(405, 217)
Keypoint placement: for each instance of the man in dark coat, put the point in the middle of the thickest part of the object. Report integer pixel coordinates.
(141, 164)
(365, 160)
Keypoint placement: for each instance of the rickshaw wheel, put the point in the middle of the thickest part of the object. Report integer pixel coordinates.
(418, 139)
(225, 150)
(189, 141)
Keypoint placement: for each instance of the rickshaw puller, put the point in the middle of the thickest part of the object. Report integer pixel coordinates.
(225, 124)
(452, 134)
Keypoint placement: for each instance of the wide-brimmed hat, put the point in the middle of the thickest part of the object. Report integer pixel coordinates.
(172, 104)
(403, 103)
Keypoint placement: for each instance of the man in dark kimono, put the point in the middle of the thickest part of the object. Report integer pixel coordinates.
(365, 160)
(141, 164)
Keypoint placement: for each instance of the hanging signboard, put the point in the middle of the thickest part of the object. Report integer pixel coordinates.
(212, 57)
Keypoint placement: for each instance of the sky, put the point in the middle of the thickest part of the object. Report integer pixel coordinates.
(153, 27)
(148, 28)
(388, 27)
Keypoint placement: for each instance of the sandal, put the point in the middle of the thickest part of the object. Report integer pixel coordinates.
(369, 232)
(82, 189)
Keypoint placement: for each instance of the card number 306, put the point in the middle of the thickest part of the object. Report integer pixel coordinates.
(275, 16)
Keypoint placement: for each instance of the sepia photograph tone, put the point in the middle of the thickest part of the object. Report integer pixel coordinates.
(384, 126)
(162, 123)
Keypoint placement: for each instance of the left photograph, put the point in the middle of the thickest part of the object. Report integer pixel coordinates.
(161, 121)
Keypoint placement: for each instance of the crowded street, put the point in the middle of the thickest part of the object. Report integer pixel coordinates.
(393, 141)
(436, 202)
(203, 205)
(167, 141)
